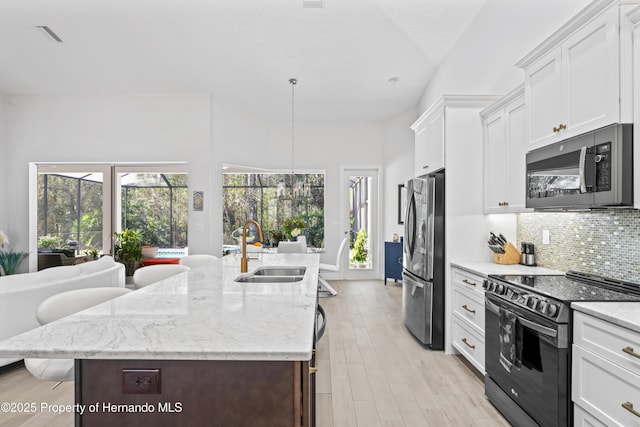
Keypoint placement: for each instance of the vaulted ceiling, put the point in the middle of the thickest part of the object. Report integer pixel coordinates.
(354, 59)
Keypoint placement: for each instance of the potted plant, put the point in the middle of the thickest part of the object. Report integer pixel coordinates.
(48, 243)
(359, 253)
(9, 260)
(293, 227)
(93, 253)
(128, 249)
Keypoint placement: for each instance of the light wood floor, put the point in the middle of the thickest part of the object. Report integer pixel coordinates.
(372, 372)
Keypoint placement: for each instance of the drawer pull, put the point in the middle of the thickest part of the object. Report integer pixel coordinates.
(468, 282)
(629, 350)
(629, 407)
(473, 347)
(468, 309)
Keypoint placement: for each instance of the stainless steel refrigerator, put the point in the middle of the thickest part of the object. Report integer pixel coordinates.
(423, 260)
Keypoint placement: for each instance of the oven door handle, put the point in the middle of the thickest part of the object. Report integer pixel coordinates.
(528, 323)
(542, 329)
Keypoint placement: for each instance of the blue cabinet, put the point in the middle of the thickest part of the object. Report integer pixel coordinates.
(392, 261)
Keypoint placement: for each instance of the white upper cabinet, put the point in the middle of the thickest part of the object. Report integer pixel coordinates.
(634, 16)
(504, 151)
(580, 78)
(429, 140)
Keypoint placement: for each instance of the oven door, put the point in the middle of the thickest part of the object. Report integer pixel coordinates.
(562, 174)
(537, 379)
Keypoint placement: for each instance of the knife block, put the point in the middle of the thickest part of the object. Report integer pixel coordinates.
(510, 256)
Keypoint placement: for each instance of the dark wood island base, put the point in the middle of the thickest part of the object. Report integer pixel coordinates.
(193, 393)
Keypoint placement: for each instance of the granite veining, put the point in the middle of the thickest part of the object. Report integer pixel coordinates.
(202, 314)
(625, 314)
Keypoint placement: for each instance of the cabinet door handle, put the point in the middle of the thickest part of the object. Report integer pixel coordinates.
(629, 351)
(468, 309)
(629, 407)
(471, 346)
(425, 167)
(313, 370)
(399, 260)
(559, 128)
(468, 282)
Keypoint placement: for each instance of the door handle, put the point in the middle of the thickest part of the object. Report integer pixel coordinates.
(581, 167)
(468, 309)
(629, 351)
(471, 346)
(629, 407)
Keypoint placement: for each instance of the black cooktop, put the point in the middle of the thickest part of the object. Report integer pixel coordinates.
(575, 286)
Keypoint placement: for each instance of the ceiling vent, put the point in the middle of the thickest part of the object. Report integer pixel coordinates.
(49, 33)
(313, 4)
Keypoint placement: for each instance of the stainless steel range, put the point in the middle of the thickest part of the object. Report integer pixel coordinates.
(528, 341)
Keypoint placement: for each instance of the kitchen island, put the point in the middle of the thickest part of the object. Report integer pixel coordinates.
(198, 348)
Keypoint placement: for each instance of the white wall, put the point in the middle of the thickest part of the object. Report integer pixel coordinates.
(397, 154)
(106, 128)
(4, 163)
(482, 61)
(192, 128)
(246, 140)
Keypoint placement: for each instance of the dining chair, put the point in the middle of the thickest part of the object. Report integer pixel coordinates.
(290, 247)
(323, 286)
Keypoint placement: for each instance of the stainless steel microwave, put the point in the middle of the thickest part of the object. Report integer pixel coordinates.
(592, 170)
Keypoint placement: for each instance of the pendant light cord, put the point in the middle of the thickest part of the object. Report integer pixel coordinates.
(293, 85)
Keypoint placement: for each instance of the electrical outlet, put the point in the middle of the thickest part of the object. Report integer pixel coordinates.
(141, 381)
(545, 237)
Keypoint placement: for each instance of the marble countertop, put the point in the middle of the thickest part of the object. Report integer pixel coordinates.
(484, 268)
(202, 314)
(625, 314)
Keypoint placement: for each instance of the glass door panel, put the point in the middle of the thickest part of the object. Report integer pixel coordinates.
(361, 205)
(73, 206)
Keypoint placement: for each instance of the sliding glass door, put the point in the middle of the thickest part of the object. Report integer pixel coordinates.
(80, 206)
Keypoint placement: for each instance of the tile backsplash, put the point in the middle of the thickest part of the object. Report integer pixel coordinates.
(606, 243)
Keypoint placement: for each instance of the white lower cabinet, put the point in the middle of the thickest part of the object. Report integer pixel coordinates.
(467, 306)
(605, 373)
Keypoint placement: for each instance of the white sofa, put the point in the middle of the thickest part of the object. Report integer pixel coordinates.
(20, 294)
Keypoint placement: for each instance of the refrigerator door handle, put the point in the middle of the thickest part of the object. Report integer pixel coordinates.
(430, 238)
(416, 286)
(410, 220)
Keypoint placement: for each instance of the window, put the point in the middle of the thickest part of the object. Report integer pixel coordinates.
(284, 204)
(79, 207)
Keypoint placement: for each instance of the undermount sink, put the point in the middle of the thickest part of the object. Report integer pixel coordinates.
(273, 274)
(280, 271)
(268, 279)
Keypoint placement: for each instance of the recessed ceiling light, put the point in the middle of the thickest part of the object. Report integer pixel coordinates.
(313, 4)
(49, 33)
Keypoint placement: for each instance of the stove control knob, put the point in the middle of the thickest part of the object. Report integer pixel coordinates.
(552, 310)
(491, 286)
(542, 306)
(533, 302)
(500, 289)
(485, 284)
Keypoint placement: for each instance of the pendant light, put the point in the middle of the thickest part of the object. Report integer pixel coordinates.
(295, 184)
